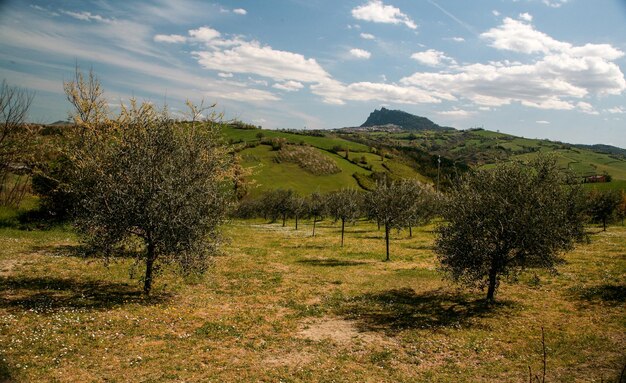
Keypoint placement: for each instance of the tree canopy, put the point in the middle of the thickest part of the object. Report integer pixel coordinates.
(146, 178)
(503, 220)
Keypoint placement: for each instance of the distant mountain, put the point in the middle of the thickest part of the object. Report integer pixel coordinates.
(401, 119)
(605, 149)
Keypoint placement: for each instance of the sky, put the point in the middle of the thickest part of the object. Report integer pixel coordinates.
(534, 68)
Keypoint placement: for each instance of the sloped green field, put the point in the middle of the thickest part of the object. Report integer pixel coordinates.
(271, 175)
(326, 143)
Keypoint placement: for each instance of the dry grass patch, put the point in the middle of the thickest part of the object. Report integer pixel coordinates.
(281, 305)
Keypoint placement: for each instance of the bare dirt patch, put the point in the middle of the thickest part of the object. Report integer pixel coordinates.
(7, 266)
(339, 331)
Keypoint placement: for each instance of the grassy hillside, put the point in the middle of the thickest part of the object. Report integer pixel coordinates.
(411, 154)
(326, 142)
(483, 147)
(268, 173)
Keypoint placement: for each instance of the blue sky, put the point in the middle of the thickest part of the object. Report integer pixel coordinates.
(535, 68)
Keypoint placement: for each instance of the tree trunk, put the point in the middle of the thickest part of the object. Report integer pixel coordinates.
(603, 224)
(314, 222)
(296, 222)
(378, 223)
(410, 231)
(387, 240)
(147, 284)
(343, 223)
(284, 218)
(493, 279)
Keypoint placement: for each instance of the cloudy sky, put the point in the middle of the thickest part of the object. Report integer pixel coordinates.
(535, 68)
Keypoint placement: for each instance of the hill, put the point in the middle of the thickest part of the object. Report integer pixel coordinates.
(367, 155)
(297, 160)
(606, 149)
(400, 119)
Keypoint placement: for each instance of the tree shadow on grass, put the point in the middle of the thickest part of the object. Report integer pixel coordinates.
(609, 293)
(331, 262)
(400, 309)
(5, 372)
(45, 294)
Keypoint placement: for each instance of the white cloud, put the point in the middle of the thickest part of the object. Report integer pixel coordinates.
(252, 58)
(86, 16)
(526, 16)
(240, 11)
(225, 75)
(587, 108)
(561, 79)
(289, 86)
(335, 92)
(204, 34)
(517, 36)
(543, 122)
(243, 95)
(495, 13)
(170, 39)
(378, 12)
(367, 36)
(431, 57)
(360, 53)
(458, 39)
(554, 3)
(456, 113)
(616, 110)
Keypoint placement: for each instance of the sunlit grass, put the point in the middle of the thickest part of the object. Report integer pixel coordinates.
(251, 318)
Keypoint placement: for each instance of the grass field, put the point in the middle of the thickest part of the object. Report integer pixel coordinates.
(270, 175)
(280, 305)
(325, 143)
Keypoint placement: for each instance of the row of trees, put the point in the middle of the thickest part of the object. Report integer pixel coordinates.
(392, 204)
(495, 223)
(604, 206)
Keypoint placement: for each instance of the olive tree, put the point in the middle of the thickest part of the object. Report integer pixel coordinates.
(602, 204)
(344, 205)
(500, 221)
(317, 208)
(278, 204)
(393, 204)
(423, 204)
(298, 207)
(151, 180)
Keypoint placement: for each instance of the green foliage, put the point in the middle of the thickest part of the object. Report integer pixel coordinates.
(156, 180)
(344, 205)
(512, 217)
(602, 205)
(277, 204)
(287, 175)
(146, 181)
(396, 204)
(317, 205)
